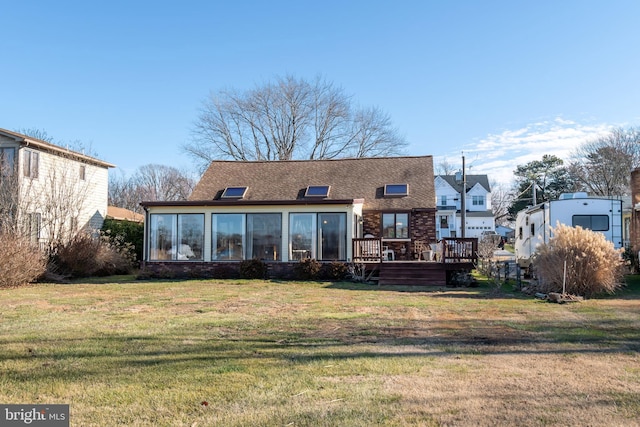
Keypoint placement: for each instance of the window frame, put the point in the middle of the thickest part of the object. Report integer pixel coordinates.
(7, 162)
(231, 192)
(591, 221)
(31, 166)
(232, 244)
(390, 190)
(395, 229)
(175, 228)
(311, 191)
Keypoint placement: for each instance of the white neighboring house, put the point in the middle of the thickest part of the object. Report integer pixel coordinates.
(48, 192)
(479, 216)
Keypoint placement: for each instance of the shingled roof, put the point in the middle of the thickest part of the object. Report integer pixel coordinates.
(350, 179)
(472, 180)
(52, 148)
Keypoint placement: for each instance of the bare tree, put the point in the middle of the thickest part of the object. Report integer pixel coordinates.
(290, 119)
(160, 182)
(445, 168)
(45, 208)
(124, 193)
(61, 199)
(9, 194)
(36, 133)
(149, 183)
(75, 145)
(501, 199)
(603, 166)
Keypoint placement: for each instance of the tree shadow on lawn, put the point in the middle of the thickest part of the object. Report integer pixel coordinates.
(629, 291)
(77, 358)
(478, 292)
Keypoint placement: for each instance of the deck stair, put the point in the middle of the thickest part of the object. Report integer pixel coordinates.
(412, 274)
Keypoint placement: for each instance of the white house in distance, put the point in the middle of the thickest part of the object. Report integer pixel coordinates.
(48, 192)
(479, 216)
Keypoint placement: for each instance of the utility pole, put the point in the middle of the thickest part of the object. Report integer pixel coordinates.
(461, 178)
(463, 202)
(534, 184)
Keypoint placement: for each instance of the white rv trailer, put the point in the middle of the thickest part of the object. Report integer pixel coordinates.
(534, 224)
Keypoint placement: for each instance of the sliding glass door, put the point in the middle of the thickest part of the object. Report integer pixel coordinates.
(332, 236)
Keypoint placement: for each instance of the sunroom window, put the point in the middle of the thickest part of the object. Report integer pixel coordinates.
(228, 236)
(322, 236)
(176, 237)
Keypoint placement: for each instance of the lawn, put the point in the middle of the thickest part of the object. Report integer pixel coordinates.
(260, 353)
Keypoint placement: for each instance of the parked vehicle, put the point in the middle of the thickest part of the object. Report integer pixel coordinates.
(534, 224)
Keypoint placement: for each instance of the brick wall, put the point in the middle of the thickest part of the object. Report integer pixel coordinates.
(217, 270)
(422, 228)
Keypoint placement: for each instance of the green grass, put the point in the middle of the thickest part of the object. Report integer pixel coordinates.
(126, 352)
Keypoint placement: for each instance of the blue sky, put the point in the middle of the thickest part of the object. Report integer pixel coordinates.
(503, 81)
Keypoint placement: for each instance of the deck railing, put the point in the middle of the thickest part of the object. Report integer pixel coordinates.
(367, 249)
(460, 250)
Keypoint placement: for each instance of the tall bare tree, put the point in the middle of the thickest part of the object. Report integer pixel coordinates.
(149, 183)
(501, 199)
(603, 166)
(445, 168)
(290, 118)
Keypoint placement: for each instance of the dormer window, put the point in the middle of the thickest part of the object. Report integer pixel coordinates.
(234, 193)
(317, 191)
(396, 190)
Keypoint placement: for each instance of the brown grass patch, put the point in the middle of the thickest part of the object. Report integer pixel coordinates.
(311, 354)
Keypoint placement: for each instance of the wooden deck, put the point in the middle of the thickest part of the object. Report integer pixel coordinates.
(451, 255)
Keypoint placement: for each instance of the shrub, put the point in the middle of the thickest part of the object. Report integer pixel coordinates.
(335, 271)
(88, 255)
(487, 244)
(20, 262)
(593, 265)
(307, 269)
(131, 232)
(253, 269)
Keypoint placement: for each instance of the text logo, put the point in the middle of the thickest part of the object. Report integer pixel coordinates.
(34, 415)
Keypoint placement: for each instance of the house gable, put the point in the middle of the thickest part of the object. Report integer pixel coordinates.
(478, 191)
(447, 197)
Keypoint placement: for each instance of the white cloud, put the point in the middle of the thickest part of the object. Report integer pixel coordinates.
(498, 155)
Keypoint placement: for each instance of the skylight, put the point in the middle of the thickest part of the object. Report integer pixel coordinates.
(234, 193)
(396, 190)
(317, 191)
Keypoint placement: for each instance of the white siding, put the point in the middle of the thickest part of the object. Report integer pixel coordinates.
(80, 204)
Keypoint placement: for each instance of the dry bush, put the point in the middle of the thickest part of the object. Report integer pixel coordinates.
(487, 244)
(307, 269)
(20, 262)
(89, 255)
(593, 265)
